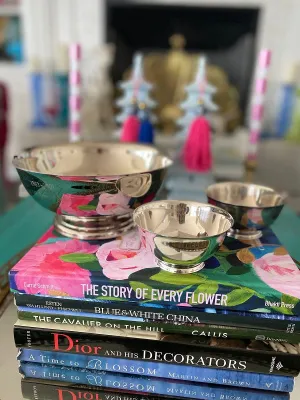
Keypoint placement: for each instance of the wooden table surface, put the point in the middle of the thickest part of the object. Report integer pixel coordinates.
(24, 224)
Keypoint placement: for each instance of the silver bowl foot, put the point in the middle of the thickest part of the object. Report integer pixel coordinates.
(244, 234)
(179, 269)
(93, 228)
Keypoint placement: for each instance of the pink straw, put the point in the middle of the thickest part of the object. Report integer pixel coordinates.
(258, 98)
(74, 93)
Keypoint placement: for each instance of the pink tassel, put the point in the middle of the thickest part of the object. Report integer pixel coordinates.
(197, 150)
(130, 130)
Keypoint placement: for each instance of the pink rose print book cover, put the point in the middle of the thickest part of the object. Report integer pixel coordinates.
(258, 277)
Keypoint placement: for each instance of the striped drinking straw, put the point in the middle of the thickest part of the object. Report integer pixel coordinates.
(257, 106)
(74, 93)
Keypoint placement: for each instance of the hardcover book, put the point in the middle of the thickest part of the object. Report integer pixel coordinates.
(16, 238)
(258, 276)
(159, 370)
(238, 355)
(142, 384)
(37, 389)
(170, 313)
(146, 325)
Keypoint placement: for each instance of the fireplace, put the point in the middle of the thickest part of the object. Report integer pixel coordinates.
(227, 36)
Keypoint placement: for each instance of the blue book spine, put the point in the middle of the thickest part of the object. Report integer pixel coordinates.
(159, 370)
(36, 83)
(143, 384)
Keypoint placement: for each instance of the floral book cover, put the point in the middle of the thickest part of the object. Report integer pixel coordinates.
(255, 276)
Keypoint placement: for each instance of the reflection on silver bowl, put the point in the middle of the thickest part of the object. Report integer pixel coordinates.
(182, 234)
(253, 207)
(93, 187)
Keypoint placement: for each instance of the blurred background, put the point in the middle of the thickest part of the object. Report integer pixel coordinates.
(171, 35)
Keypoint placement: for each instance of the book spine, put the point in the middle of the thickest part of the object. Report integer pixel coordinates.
(186, 373)
(138, 324)
(142, 384)
(167, 350)
(142, 291)
(171, 314)
(33, 390)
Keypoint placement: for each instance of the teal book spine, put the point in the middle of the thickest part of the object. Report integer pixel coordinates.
(62, 85)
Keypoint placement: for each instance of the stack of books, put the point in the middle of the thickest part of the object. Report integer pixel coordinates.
(99, 320)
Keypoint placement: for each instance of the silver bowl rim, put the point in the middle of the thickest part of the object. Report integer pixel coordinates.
(217, 209)
(246, 184)
(137, 146)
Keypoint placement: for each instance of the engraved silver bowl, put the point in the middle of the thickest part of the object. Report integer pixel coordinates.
(92, 187)
(253, 207)
(182, 234)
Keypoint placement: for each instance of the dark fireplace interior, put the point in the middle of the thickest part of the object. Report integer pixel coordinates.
(225, 35)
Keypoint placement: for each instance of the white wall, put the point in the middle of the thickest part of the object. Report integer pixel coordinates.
(279, 31)
(47, 26)
(51, 23)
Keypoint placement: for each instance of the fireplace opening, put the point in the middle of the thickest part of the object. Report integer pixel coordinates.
(227, 36)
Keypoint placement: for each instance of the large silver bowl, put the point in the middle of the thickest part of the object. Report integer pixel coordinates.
(182, 234)
(92, 187)
(253, 207)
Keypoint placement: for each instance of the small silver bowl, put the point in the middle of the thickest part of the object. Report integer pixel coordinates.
(253, 207)
(92, 187)
(182, 234)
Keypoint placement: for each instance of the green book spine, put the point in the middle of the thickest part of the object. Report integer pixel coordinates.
(199, 330)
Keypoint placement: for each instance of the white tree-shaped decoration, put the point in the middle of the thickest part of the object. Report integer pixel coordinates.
(136, 93)
(199, 98)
